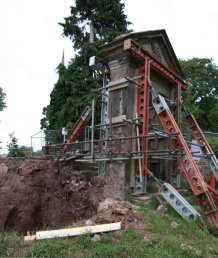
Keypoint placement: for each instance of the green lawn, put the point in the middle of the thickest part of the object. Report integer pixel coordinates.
(186, 240)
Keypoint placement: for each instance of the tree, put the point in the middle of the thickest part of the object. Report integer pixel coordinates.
(95, 20)
(91, 24)
(2, 98)
(213, 141)
(201, 98)
(14, 150)
(2, 104)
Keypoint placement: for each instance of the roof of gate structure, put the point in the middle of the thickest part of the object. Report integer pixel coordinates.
(156, 42)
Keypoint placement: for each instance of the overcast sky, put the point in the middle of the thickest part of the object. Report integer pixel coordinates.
(31, 47)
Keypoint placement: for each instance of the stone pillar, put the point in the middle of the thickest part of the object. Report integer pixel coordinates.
(122, 105)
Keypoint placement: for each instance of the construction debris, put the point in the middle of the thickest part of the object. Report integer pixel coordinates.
(69, 232)
(161, 209)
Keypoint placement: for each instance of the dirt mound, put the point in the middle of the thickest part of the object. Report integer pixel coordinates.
(35, 194)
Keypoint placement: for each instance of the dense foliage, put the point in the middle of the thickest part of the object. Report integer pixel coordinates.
(201, 98)
(91, 24)
(213, 141)
(2, 99)
(106, 18)
(14, 150)
(2, 103)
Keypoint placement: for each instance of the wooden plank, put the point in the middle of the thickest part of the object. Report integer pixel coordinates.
(77, 231)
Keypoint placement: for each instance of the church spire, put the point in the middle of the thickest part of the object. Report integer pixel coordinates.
(62, 60)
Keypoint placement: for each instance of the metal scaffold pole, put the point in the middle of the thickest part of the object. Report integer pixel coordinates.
(93, 129)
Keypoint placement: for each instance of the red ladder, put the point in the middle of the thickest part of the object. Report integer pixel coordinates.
(202, 142)
(78, 127)
(205, 195)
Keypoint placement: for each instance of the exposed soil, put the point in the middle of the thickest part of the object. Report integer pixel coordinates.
(35, 194)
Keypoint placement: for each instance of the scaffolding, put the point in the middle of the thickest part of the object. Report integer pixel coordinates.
(108, 147)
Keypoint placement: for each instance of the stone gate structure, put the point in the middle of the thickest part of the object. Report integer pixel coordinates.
(124, 105)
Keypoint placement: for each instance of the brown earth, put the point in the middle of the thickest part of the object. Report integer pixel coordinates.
(37, 194)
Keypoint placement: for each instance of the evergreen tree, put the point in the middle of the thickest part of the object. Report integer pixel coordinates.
(14, 150)
(2, 99)
(91, 24)
(2, 103)
(90, 20)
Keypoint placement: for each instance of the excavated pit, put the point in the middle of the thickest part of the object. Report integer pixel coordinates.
(36, 194)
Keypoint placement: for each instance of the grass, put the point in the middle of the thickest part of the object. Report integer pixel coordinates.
(186, 240)
(11, 245)
(151, 186)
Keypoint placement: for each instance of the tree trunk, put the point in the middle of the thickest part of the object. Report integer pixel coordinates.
(91, 36)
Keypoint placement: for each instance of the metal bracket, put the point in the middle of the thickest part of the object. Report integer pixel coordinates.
(178, 202)
(140, 184)
(158, 101)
